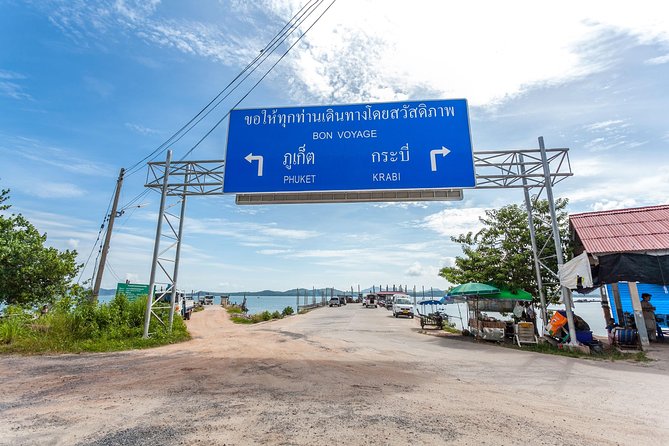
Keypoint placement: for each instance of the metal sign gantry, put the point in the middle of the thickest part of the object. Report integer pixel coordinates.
(495, 169)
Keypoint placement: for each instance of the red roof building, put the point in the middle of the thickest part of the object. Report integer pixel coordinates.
(634, 230)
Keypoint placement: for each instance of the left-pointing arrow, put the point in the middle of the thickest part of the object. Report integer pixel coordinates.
(251, 157)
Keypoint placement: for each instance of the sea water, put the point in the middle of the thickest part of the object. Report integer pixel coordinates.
(591, 312)
(258, 304)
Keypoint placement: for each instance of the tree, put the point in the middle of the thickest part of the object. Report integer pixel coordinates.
(501, 253)
(30, 273)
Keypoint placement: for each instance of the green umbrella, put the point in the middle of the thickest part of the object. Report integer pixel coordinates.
(473, 289)
(509, 295)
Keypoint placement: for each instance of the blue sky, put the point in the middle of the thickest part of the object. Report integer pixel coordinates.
(89, 87)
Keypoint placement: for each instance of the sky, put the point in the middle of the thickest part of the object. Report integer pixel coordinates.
(87, 88)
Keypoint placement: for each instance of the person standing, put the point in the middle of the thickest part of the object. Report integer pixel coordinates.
(531, 315)
(648, 311)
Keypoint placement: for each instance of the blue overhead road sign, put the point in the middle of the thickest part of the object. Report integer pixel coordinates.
(386, 146)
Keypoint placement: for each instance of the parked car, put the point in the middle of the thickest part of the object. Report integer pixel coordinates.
(370, 301)
(402, 307)
(334, 301)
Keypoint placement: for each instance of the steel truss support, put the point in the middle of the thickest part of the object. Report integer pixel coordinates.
(495, 169)
(165, 263)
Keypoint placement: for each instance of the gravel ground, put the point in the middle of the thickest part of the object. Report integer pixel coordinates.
(344, 375)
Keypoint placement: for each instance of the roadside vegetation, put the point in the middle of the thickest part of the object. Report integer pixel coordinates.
(77, 324)
(605, 354)
(238, 316)
(43, 311)
(609, 354)
(500, 253)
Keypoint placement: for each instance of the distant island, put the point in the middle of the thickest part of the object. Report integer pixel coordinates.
(291, 292)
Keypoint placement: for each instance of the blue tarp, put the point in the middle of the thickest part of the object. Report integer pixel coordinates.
(659, 299)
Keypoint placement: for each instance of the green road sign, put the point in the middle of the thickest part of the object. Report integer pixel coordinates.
(132, 290)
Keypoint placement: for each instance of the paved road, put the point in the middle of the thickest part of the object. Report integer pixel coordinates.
(345, 375)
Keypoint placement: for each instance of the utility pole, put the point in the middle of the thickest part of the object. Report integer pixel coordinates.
(105, 246)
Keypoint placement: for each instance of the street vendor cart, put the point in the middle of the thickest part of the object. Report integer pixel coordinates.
(482, 299)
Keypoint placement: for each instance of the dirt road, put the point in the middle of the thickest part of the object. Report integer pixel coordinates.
(344, 375)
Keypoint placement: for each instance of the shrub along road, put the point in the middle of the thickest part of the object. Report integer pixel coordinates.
(345, 375)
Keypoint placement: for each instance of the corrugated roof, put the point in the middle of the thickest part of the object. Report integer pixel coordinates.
(623, 230)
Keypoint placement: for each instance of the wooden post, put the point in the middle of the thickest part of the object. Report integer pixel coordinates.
(638, 315)
(605, 304)
(619, 304)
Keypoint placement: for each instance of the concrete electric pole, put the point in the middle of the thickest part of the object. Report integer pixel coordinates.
(105, 246)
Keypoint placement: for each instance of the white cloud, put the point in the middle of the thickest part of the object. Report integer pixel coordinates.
(605, 205)
(247, 231)
(362, 51)
(38, 151)
(385, 58)
(142, 130)
(55, 190)
(658, 60)
(453, 222)
(273, 252)
(292, 234)
(10, 87)
(415, 270)
(13, 90)
(607, 125)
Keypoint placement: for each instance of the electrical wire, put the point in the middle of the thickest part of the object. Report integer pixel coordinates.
(102, 226)
(288, 29)
(258, 82)
(111, 270)
(97, 258)
(184, 129)
(135, 200)
(265, 55)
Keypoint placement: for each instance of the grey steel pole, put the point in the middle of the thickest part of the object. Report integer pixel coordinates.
(156, 245)
(105, 245)
(178, 252)
(566, 294)
(533, 239)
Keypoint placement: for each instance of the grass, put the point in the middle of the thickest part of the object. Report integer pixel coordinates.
(237, 316)
(606, 355)
(79, 325)
(611, 354)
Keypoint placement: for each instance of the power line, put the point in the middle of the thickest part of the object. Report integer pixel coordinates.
(258, 82)
(286, 31)
(111, 270)
(282, 34)
(102, 226)
(265, 54)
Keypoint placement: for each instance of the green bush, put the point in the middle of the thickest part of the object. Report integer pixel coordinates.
(76, 323)
(261, 317)
(234, 310)
(14, 324)
(288, 311)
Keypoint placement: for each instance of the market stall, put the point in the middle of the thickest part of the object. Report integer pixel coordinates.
(483, 299)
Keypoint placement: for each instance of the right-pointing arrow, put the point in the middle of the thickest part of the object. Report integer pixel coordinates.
(433, 156)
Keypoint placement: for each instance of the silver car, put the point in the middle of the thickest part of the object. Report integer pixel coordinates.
(402, 307)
